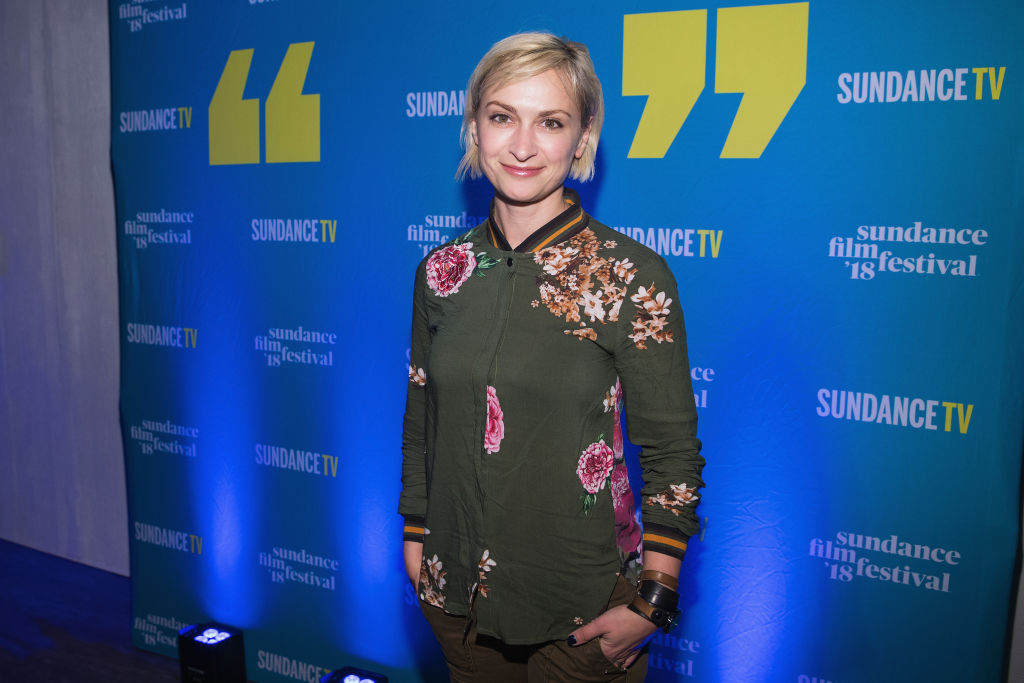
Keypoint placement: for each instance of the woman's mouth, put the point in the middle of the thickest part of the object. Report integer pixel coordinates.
(522, 171)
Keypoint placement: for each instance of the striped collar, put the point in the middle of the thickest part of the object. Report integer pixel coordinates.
(560, 228)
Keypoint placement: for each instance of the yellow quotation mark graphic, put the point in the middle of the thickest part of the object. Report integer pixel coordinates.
(760, 51)
(293, 119)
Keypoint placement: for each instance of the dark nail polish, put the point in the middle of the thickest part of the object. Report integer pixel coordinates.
(571, 640)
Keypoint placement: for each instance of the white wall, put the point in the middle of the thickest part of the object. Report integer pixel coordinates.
(62, 479)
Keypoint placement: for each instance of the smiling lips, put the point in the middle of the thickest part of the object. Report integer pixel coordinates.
(522, 171)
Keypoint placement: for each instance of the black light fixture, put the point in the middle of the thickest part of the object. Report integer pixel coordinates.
(350, 674)
(211, 653)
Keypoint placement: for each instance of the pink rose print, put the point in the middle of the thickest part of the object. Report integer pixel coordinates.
(495, 430)
(595, 465)
(627, 531)
(619, 485)
(448, 268)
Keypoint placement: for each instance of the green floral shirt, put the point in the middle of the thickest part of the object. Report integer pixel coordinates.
(513, 475)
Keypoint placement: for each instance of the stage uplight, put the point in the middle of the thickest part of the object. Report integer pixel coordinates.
(211, 653)
(350, 674)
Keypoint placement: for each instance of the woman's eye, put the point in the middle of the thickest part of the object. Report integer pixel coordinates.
(551, 123)
(500, 118)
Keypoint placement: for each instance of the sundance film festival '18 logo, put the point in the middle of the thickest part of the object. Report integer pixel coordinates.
(672, 652)
(155, 228)
(155, 436)
(139, 13)
(156, 629)
(436, 229)
(914, 249)
(292, 118)
(300, 566)
(701, 378)
(895, 560)
(296, 346)
(760, 51)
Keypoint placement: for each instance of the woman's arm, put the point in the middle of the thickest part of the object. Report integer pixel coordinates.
(412, 503)
(661, 416)
(413, 551)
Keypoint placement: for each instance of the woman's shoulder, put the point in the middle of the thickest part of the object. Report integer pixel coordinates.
(621, 245)
(464, 242)
(448, 266)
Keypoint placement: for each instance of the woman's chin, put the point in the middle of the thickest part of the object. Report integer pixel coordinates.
(523, 196)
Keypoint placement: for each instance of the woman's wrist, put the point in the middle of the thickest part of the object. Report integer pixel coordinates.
(656, 599)
(662, 619)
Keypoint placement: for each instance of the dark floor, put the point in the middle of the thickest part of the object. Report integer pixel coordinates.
(61, 621)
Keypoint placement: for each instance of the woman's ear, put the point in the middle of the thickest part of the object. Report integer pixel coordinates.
(584, 138)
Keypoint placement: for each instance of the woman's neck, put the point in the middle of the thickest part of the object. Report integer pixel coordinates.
(519, 221)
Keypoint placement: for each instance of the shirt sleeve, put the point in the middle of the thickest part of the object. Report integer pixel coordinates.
(661, 414)
(412, 503)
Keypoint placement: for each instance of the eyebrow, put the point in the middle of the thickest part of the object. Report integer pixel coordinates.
(541, 115)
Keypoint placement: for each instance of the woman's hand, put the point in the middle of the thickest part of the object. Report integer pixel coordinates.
(413, 552)
(622, 633)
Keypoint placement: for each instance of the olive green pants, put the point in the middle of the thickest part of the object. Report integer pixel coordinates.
(475, 658)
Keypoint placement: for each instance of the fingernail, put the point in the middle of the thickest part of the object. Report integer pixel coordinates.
(571, 640)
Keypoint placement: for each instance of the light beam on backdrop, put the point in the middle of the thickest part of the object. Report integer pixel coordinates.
(224, 490)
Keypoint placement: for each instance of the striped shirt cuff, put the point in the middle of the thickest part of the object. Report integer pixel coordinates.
(664, 540)
(415, 528)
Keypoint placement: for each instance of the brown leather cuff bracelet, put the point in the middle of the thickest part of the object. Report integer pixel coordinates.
(664, 579)
(663, 619)
(642, 607)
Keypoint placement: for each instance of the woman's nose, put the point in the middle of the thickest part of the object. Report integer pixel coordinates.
(524, 145)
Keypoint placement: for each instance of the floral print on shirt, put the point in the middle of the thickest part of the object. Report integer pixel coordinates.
(494, 432)
(619, 486)
(651, 317)
(448, 268)
(612, 398)
(594, 469)
(581, 285)
(675, 498)
(485, 565)
(417, 375)
(432, 581)
(627, 530)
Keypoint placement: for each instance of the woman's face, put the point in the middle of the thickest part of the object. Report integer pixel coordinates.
(528, 133)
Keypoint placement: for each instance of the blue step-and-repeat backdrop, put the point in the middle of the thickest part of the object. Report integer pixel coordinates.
(837, 187)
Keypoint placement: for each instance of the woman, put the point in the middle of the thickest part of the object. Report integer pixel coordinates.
(529, 331)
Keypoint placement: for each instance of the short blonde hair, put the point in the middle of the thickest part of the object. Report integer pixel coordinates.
(524, 55)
